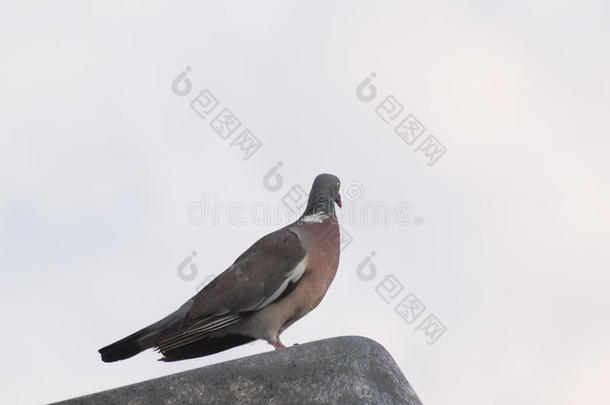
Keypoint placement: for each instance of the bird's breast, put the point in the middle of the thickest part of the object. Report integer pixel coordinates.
(322, 240)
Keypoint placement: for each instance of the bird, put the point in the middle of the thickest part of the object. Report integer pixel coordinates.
(278, 280)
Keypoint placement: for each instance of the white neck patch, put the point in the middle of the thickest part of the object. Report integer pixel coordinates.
(317, 217)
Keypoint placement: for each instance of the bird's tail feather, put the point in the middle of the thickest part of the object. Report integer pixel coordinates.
(142, 339)
(129, 346)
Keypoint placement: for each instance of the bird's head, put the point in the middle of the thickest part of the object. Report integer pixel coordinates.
(324, 194)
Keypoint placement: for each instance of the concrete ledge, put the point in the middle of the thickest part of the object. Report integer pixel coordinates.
(344, 370)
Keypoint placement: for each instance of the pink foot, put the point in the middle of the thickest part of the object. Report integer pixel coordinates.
(278, 345)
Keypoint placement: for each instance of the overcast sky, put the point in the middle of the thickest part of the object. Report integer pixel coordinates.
(501, 231)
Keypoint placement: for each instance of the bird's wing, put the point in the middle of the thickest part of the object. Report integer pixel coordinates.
(264, 273)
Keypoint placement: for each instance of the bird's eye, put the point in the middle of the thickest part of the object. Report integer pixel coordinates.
(338, 184)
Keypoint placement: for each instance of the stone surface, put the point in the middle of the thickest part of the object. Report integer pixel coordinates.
(343, 370)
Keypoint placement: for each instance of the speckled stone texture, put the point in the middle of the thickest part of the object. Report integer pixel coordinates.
(344, 370)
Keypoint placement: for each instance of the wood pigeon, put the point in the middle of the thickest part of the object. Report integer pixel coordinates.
(277, 281)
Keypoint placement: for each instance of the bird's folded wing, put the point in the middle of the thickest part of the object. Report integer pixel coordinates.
(264, 273)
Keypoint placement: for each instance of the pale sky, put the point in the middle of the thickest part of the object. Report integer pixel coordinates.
(508, 240)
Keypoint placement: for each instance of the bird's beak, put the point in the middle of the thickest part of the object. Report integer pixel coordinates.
(338, 200)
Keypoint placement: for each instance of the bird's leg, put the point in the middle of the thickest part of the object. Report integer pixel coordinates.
(277, 344)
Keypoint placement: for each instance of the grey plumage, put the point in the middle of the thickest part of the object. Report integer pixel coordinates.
(279, 279)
